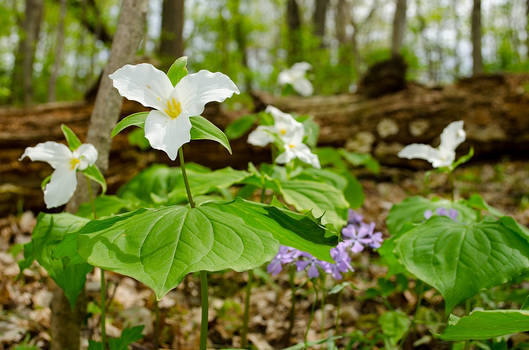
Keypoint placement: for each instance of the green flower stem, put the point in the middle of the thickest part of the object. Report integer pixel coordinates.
(102, 276)
(244, 332)
(311, 317)
(413, 325)
(323, 295)
(338, 307)
(246, 315)
(204, 302)
(157, 324)
(203, 274)
(292, 313)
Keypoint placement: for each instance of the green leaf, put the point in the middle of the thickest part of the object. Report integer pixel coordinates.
(45, 182)
(411, 210)
(178, 70)
(93, 173)
(477, 202)
(137, 138)
(136, 119)
(459, 259)
(61, 261)
(361, 159)
(353, 192)
(162, 185)
(486, 325)
(322, 175)
(203, 129)
(107, 206)
(329, 156)
(394, 325)
(240, 126)
(312, 131)
(128, 336)
(321, 199)
(463, 159)
(160, 246)
(72, 139)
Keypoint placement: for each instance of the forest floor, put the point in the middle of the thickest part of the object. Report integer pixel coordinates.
(25, 311)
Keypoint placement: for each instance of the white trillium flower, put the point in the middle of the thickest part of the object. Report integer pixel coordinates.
(66, 163)
(284, 126)
(295, 148)
(168, 126)
(444, 155)
(295, 76)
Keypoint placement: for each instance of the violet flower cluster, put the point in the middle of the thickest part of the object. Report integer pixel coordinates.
(356, 235)
(450, 213)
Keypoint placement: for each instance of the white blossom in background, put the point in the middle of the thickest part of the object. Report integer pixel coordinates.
(284, 126)
(295, 148)
(66, 163)
(295, 76)
(444, 155)
(168, 126)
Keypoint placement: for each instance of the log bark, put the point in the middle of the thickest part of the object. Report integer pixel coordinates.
(494, 109)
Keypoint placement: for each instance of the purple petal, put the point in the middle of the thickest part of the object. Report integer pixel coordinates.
(428, 214)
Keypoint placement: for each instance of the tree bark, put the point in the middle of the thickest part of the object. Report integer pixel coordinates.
(242, 42)
(399, 27)
(22, 78)
(341, 19)
(527, 29)
(104, 116)
(172, 40)
(477, 60)
(294, 44)
(94, 23)
(319, 19)
(52, 83)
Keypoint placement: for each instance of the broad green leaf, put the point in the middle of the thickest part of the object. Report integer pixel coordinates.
(128, 336)
(353, 192)
(178, 70)
(72, 139)
(92, 172)
(162, 185)
(411, 210)
(240, 126)
(459, 259)
(361, 159)
(477, 202)
(322, 175)
(394, 325)
(321, 199)
(136, 119)
(329, 156)
(64, 266)
(312, 131)
(486, 325)
(160, 246)
(107, 206)
(203, 129)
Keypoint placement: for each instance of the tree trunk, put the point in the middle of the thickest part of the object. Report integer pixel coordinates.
(22, 78)
(399, 27)
(104, 116)
(58, 53)
(172, 40)
(477, 60)
(527, 29)
(319, 19)
(241, 41)
(341, 19)
(294, 44)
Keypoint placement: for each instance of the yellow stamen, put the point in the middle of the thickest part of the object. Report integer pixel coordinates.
(291, 146)
(73, 163)
(282, 131)
(173, 109)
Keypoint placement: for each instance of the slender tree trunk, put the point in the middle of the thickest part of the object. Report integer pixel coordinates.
(399, 27)
(172, 40)
(242, 42)
(319, 19)
(457, 64)
(22, 78)
(477, 60)
(294, 28)
(104, 116)
(341, 19)
(59, 45)
(527, 29)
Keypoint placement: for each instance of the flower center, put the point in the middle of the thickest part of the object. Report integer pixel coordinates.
(74, 162)
(173, 109)
(282, 131)
(291, 145)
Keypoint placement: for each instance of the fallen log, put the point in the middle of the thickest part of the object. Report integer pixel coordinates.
(494, 107)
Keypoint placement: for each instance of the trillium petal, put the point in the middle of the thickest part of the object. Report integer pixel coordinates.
(285, 77)
(303, 87)
(301, 66)
(53, 153)
(167, 134)
(87, 154)
(452, 136)
(143, 83)
(303, 152)
(195, 90)
(61, 187)
(261, 136)
(420, 151)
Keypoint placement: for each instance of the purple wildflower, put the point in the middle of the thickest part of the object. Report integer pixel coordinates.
(450, 213)
(428, 214)
(284, 256)
(354, 218)
(311, 262)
